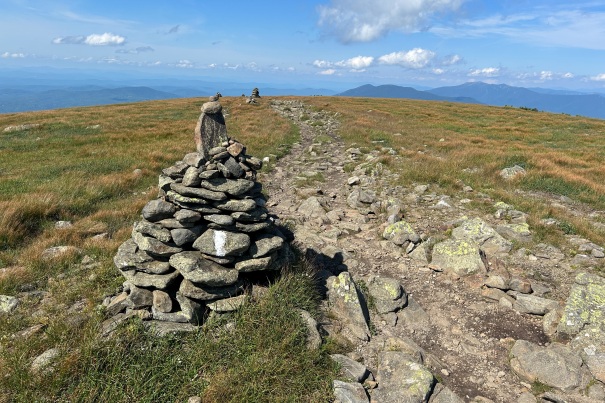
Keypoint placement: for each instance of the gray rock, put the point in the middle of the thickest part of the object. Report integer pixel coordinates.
(346, 305)
(8, 304)
(233, 167)
(596, 392)
(140, 297)
(193, 159)
(556, 365)
(228, 304)
(145, 280)
(313, 336)
(157, 210)
(496, 281)
(183, 201)
(584, 307)
(130, 257)
(311, 208)
(206, 293)
(187, 216)
(361, 198)
(253, 227)
(220, 219)
(413, 316)
(63, 224)
(458, 256)
(195, 268)
(222, 243)
(513, 172)
(244, 205)
(183, 236)
(516, 232)
(444, 394)
(265, 244)
(525, 397)
(119, 304)
(479, 232)
(58, 251)
(164, 184)
(191, 312)
(234, 187)
(161, 301)
(420, 255)
(176, 171)
(350, 369)
(345, 392)
(520, 285)
(257, 215)
(44, 362)
(153, 246)
(198, 192)
(209, 174)
(258, 264)
(401, 380)
(153, 230)
(191, 177)
(162, 329)
(400, 233)
(388, 294)
(210, 130)
(534, 305)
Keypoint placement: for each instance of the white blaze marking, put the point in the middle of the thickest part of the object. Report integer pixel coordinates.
(220, 238)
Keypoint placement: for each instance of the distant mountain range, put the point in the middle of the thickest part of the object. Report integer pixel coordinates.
(557, 101)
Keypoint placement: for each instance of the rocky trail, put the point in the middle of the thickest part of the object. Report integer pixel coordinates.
(460, 296)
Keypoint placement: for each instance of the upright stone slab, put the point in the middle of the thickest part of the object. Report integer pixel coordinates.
(211, 130)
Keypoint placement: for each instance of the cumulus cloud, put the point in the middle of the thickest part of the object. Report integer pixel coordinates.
(416, 58)
(598, 77)
(546, 75)
(106, 39)
(140, 49)
(568, 75)
(486, 72)
(7, 55)
(357, 21)
(356, 64)
(438, 71)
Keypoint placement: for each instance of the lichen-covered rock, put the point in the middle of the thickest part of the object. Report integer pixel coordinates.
(388, 294)
(233, 205)
(153, 246)
(401, 380)
(146, 280)
(8, 304)
(516, 232)
(347, 306)
(153, 230)
(585, 306)
(234, 187)
(228, 304)
(479, 232)
(400, 233)
(458, 256)
(265, 244)
(130, 257)
(349, 392)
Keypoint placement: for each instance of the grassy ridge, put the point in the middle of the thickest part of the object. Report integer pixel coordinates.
(100, 178)
(450, 144)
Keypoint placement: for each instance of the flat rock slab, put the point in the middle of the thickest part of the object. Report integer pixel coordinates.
(401, 380)
(157, 210)
(130, 257)
(159, 281)
(196, 192)
(222, 243)
(207, 293)
(534, 305)
(194, 267)
(228, 304)
(556, 365)
(153, 246)
(351, 369)
(234, 187)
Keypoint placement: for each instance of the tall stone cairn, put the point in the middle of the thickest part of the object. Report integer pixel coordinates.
(195, 246)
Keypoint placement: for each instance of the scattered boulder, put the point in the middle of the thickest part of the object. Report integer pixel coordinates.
(348, 306)
(402, 380)
(513, 172)
(458, 256)
(478, 231)
(8, 304)
(349, 392)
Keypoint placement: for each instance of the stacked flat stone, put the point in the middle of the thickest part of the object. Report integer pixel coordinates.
(192, 249)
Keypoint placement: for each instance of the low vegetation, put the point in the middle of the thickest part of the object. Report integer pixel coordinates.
(98, 166)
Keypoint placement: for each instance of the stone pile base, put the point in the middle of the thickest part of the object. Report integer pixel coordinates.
(194, 247)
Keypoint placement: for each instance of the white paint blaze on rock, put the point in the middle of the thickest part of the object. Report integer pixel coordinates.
(220, 239)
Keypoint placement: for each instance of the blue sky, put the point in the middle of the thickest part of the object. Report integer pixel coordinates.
(332, 43)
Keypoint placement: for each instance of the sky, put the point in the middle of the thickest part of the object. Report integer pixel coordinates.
(328, 43)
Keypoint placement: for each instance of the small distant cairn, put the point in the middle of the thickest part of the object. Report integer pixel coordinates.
(252, 98)
(198, 246)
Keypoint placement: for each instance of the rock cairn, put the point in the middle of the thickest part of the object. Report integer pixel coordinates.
(195, 246)
(255, 93)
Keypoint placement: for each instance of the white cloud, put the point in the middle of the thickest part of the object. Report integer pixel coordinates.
(416, 58)
(357, 63)
(322, 64)
(328, 72)
(568, 75)
(184, 64)
(486, 72)
(438, 71)
(358, 21)
(106, 39)
(598, 77)
(546, 75)
(451, 60)
(7, 55)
